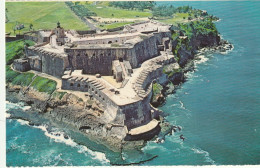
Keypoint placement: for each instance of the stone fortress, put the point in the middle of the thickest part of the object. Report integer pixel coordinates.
(116, 69)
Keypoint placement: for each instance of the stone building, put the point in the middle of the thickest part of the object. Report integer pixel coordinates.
(127, 62)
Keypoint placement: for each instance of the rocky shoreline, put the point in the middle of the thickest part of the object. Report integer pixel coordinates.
(178, 78)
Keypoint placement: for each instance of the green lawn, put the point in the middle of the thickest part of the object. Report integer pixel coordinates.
(43, 15)
(44, 85)
(15, 49)
(177, 18)
(106, 12)
(16, 78)
(114, 25)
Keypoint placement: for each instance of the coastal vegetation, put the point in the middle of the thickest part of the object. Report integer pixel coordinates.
(15, 50)
(131, 5)
(59, 94)
(42, 15)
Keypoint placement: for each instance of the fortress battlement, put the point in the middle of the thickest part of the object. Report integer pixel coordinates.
(116, 69)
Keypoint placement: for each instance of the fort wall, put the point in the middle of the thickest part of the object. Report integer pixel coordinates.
(88, 58)
(52, 63)
(131, 115)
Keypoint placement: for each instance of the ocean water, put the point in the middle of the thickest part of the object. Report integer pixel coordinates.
(218, 108)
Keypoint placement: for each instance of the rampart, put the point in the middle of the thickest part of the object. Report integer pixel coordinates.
(131, 115)
(52, 63)
(136, 52)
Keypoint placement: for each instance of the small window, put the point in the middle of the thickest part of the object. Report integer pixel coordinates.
(86, 86)
(78, 85)
(92, 89)
(71, 84)
(95, 92)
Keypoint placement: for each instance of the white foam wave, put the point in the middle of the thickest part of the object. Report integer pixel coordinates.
(59, 137)
(23, 122)
(205, 153)
(200, 59)
(20, 105)
(182, 105)
(56, 136)
(97, 155)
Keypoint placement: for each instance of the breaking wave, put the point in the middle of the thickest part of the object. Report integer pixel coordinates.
(205, 154)
(56, 135)
(20, 105)
(61, 137)
(200, 59)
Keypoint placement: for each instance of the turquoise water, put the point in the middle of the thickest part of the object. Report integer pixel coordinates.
(218, 108)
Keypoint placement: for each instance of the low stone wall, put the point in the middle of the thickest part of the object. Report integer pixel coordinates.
(111, 40)
(31, 37)
(116, 29)
(13, 38)
(138, 23)
(83, 32)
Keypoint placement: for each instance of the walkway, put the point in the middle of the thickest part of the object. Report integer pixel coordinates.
(144, 128)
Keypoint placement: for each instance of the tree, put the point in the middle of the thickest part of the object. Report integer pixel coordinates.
(31, 25)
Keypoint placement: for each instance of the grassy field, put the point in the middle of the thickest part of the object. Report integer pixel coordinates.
(106, 12)
(43, 15)
(16, 78)
(114, 25)
(177, 18)
(44, 85)
(15, 49)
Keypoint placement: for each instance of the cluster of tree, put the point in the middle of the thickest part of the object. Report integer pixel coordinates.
(168, 11)
(202, 27)
(80, 10)
(184, 9)
(163, 11)
(139, 5)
